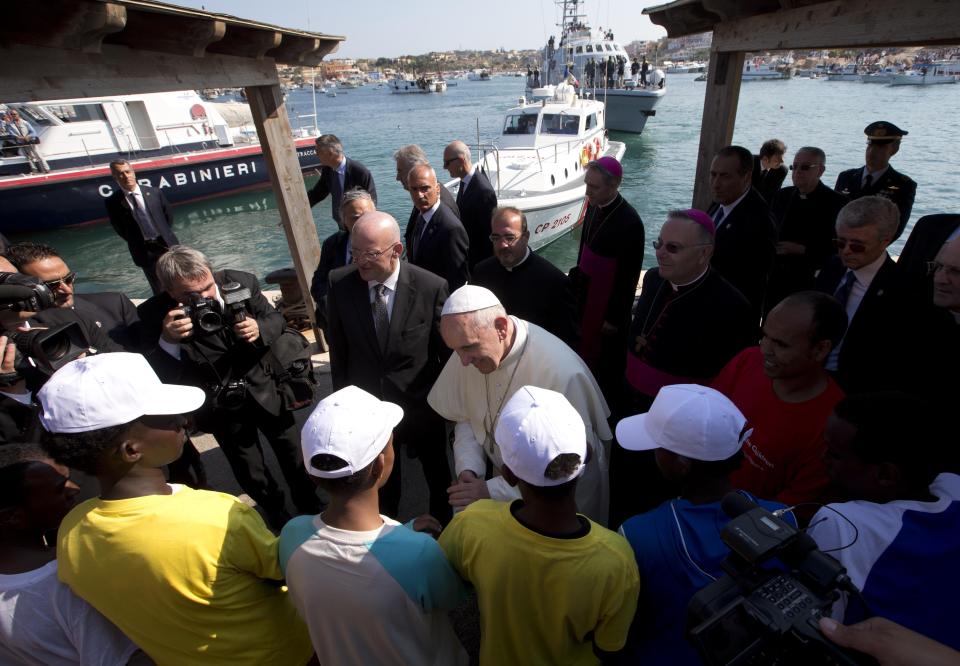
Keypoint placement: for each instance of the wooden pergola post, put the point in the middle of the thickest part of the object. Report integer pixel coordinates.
(719, 117)
(280, 155)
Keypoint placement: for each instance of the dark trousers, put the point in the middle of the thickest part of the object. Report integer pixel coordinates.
(238, 434)
(155, 250)
(428, 444)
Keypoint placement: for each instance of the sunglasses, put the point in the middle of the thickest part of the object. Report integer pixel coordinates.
(67, 279)
(855, 246)
(674, 248)
(803, 167)
(447, 163)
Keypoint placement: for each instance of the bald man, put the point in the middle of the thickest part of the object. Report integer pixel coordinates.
(384, 333)
(475, 197)
(437, 241)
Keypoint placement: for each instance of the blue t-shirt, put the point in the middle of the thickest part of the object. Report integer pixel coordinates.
(678, 548)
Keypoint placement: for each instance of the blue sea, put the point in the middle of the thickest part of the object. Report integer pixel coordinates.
(243, 231)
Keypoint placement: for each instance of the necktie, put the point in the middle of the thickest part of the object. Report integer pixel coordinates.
(842, 293)
(719, 218)
(461, 191)
(868, 181)
(415, 241)
(380, 320)
(336, 193)
(142, 217)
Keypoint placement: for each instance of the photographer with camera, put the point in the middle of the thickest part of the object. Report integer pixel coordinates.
(697, 435)
(215, 330)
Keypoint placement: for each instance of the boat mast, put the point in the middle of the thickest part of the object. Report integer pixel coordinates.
(570, 21)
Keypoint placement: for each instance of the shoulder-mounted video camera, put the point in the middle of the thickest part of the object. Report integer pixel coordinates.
(758, 614)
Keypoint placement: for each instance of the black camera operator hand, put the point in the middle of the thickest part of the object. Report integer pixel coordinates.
(176, 326)
(8, 366)
(247, 330)
(890, 643)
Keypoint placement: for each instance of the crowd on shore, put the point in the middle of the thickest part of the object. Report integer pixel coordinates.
(580, 444)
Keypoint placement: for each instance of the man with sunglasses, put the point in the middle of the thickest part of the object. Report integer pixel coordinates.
(384, 334)
(805, 214)
(877, 177)
(475, 197)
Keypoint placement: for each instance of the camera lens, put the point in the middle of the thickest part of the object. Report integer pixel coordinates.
(209, 321)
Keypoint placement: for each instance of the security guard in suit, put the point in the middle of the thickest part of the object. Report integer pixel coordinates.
(877, 176)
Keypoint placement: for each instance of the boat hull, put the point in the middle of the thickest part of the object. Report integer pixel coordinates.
(74, 197)
(628, 110)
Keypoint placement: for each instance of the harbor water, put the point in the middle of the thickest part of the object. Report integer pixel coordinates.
(243, 230)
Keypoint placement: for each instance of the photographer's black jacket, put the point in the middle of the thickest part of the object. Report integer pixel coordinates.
(209, 360)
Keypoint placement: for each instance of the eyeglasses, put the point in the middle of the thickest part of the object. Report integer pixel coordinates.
(357, 257)
(674, 248)
(447, 163)
(952, 272)
(509, 239)
(803, 167)
(67, 279)
(856, 247)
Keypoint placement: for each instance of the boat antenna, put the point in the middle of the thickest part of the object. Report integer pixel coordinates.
(313, 86)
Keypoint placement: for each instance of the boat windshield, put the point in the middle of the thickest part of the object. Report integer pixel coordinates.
(520, 124)
(558, 123)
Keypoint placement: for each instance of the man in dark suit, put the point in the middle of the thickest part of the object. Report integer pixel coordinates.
(141, 216)
(926, 239)
(437, 240)
(528, 286)
(769, 170)
(746, 236)
(335, 250)
(338, 174)
(877, 176)
(384, 335)
(889, 342)
(411, 156)
(475, 198)
(235, 365)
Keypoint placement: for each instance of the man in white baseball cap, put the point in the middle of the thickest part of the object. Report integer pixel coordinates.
(494, 355)
(697, 435)
(145, 553)
(516, 553)
(380, 573)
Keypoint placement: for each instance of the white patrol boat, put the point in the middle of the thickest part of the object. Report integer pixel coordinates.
(537, 163)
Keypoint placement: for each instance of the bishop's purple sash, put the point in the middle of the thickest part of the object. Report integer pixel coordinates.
(598, 272)
(646, 379)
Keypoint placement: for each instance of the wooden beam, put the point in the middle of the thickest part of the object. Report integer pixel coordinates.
(719, 117)
(246, 42)
(280, 156)
(64, 24)
(30, 73)
(169, 33)
(844, 24)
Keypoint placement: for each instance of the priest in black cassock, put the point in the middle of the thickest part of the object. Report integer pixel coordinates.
(527, 285)
(688, 323)
(805, 215)
(608, 269)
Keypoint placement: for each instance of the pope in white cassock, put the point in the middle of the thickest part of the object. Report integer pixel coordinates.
(496, 354)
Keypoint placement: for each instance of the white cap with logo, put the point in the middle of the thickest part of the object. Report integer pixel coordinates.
(350, 424)
(469, 298)
(693, 421)
(535, 427)
(106, 390)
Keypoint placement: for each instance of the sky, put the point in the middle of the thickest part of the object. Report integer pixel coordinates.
(389, 28)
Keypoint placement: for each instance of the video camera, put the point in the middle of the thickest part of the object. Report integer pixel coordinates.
(205, 312)
(24, 293)
(760, 615)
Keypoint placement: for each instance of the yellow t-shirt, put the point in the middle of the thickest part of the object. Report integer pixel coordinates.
(192, 578)
(543, 600)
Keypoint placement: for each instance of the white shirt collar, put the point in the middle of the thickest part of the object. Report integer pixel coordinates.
(429, 214)
(391, 281)
(875, 175)
(525, 257)
(135, 190)
(467, 176)
(677, 286)
(865, 274)
(342, 167)
(730, 207)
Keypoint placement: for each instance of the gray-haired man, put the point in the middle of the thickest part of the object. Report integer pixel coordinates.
(338, 174)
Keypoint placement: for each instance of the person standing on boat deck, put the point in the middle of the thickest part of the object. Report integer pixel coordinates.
(141, 216)
(769, 171)
(338, 174)
(24, 136)
(475, 197)
(745, 240)
(688, 323)
(608, 269)
(335, 251)
(877, 176)
(644, 70)
(437, 240)
(634, 70)
(406, 158)
(527, 285)
(805, 215)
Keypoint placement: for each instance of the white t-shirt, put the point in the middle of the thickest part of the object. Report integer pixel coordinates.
(42, 622)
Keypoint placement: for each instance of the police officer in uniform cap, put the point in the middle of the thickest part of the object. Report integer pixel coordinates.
(877, 176)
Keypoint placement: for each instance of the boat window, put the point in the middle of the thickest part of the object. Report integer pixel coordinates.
(559, 123)
(76, 113)
(520, 124)
(591, 121)
(609, 48)
(589, 48)
(579, 49)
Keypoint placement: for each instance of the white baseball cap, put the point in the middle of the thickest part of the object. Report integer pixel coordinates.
(106, 390)
(535, 427)
(693, 421)
(350, 424)
(469, 298)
